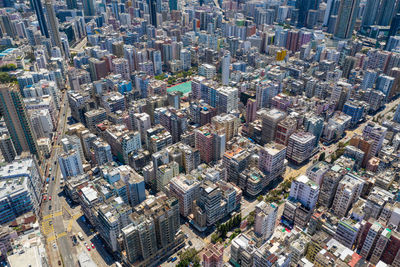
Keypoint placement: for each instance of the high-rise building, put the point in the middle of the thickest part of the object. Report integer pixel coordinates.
(347, 232)
(173, 5)
(7, 148)
(304, 191)
(164, 174)
(265, 91)
(371, 10)
(317, 172)
(88, 8)
(348, 191)
(94, 117)
(153, 231)
(304, 6)
(386, 11)
(228, 122)
(369, 79)
(22, 191)
(385, 84)
(355, 109)
(329, 185)
(186, 190)
(102, 152)
(208, 205)
(265, 220)
(185, 58)
(396, 116)
(285, 129)
(53, 23)
(394, 26)
(377, 134)
(70, 163)
(15, 115)
(270, 120)
(300, 146)
(72, 4)
(210, 143)
(70, 142)
(272, 161)
(112, 216)
(153, 11)
(213, 255)
(251, 109)
(226, 63)
(346, 20)
(37, 5)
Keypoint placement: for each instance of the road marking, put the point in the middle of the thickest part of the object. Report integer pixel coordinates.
(61, 234)
(69, 227)
(47, 228)
(76, 216)
(47, 217)
(58, 213)
(54, 237)
(51, 238)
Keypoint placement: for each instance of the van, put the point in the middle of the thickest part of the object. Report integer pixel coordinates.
(80, 236)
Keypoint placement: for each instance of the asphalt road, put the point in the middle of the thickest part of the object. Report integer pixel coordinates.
(54, 214)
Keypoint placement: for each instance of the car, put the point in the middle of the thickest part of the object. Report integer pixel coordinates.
(50, 169)
(169, 259)
(44, 198)
(50, 223)
(52, 178)
(85, 244)
(88, 248)
(54, 245)
(49, 197)
(174, 259)
(190, 243)
(59, 262)
(92, 245)
(50, 207)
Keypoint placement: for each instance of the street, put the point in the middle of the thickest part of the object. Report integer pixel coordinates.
(52, 210)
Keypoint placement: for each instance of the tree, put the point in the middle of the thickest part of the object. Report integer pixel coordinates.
(260, 198)
(214, 238)
(6, 78)
(251, 217)
(189, 257)
(321, 156)
(8, 67)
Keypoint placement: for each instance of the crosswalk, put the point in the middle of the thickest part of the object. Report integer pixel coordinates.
(52, 215)
(47, 227)
(54, 237)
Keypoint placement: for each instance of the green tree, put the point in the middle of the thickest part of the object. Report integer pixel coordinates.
(321, 156)
(6, 78)
(189, 257)
(251, 217)
(8, 67)
(260, 198)
(214, 237)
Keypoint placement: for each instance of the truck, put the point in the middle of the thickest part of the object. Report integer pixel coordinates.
(80, 235)
(47, 180)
